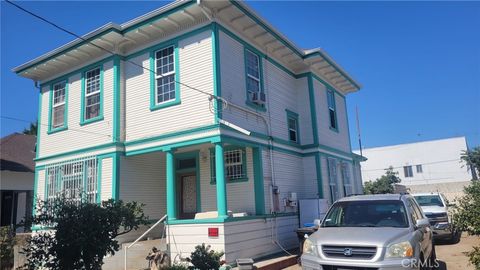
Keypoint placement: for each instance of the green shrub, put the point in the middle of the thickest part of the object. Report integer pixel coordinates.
(7, 241)
(84, 233)
(203, 258)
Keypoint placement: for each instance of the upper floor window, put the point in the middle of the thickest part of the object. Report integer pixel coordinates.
(292, 124)
(165, 75)
(92, 87)
(419, 169)
(253, 75)
(332, 109)
(235, 165)
(407, 171)
(58, 106)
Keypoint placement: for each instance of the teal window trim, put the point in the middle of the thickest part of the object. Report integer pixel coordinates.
(244, 165)
(294, 116)
(51, 129)
(83, 120)
(248, 102)
(153, 82)
(39, 122)
(331, 93)
(195, 155)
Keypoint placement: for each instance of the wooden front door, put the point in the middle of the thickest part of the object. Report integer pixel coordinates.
(188, 196)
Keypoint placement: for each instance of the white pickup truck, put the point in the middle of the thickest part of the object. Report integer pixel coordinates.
(435, 207)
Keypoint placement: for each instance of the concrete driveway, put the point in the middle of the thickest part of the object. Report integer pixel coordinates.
(450, 256)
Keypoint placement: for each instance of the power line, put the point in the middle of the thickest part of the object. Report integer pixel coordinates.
(428, 163)
(107, 50)
(72, 129)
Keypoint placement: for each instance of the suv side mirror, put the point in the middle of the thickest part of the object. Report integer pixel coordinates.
(422, 223)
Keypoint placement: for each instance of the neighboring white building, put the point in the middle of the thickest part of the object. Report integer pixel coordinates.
(114, 128)
(431, 165)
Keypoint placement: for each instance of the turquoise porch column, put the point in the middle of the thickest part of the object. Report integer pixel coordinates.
(171, 189)
(220, 179)
(258, 181)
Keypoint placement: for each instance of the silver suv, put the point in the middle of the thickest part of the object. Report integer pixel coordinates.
(371, 232)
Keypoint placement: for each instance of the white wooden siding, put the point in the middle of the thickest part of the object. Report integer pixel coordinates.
(77, 137)
(241, 239)
(143, 179)
(310, 182)
(41, 185)
(106, 178)
(240, 195)
(338, 140)
(253, 238)
(196, 70)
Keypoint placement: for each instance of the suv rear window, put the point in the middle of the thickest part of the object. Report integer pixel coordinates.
(379, 213)
(429, 200)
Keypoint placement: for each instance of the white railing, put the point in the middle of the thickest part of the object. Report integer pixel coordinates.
(139, 238)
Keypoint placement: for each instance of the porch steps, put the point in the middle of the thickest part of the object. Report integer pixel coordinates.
(276, 261)
(136, 255)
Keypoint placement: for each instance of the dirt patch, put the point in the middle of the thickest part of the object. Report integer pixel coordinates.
(454, 254)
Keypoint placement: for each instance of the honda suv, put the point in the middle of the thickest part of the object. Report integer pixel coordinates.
(371, 232)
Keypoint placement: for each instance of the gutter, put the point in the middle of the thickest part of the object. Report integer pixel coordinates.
(109, 27)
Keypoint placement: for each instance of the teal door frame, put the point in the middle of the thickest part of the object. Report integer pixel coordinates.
(196, 170)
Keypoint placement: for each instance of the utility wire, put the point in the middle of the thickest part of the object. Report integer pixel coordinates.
(211, 96)
(428, 163)
(72, 129)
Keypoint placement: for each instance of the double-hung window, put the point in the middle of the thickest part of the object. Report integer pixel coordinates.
(332, 113)
(165, 75)
(235, 165)
(408, 171)
(292, 124)
(58, 105)
(92, 95)
(254, 79)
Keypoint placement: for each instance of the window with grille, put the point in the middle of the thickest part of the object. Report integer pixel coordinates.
(92, 93)
(165, 75)
(235, 165)
(58, 106)
(332, 109)
(75, 180)
(407, 171)
(332, 178)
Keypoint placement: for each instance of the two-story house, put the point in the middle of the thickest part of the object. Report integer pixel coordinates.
(205, 113)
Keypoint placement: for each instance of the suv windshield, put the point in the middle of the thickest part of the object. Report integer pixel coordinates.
(379, 213)
(429, 200)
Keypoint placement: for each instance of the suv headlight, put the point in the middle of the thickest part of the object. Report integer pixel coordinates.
(400, 250)
(309, 247)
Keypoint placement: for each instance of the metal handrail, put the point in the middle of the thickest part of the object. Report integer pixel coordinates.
(141, 236)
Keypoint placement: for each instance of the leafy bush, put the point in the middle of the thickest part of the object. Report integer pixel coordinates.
(205, 259)
(384, 184)
(467, 217)
(7, 241)
(80, 233)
